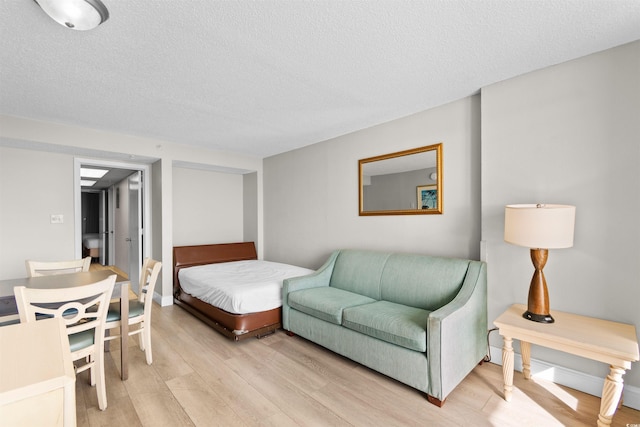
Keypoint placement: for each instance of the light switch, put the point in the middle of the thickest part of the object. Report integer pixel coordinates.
(57, 218)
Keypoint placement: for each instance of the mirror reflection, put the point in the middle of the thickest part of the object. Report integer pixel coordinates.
(403, 183)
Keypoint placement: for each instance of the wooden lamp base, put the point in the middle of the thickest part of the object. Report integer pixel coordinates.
(538, 302)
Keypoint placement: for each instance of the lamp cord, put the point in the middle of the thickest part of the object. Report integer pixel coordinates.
(487, 358)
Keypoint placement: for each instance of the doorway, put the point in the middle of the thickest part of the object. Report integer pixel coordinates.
(112, 213)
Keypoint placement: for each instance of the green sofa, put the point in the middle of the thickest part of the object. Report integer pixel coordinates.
(419, 319)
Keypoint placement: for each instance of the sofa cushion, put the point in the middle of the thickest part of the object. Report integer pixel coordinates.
(359, 272)
(422, 281)
(325, 302)
(394, 323)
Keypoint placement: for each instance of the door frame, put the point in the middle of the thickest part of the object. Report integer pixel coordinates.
(146, 201)
(103, 216)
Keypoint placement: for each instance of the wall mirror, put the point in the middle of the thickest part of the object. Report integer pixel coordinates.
(404, 183)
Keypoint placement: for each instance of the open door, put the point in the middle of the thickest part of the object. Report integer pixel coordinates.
(102, 228)
(123, 213)
(134, 185)
(127, 227)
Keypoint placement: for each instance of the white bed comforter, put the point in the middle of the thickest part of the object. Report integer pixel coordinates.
(239, 287)
(91, 241)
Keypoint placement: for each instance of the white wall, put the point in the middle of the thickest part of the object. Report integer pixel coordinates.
(568, 134)
(250, 207)
(34, 185)
(156, 221)
(311, 194)
(207, 207)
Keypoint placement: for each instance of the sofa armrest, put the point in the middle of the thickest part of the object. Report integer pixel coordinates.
(321, 277)
(457, 333)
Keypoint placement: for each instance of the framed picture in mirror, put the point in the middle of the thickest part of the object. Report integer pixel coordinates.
(427, 196)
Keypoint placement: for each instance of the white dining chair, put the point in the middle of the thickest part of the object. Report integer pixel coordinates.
(45, 268)
(139, 309)
(84, 310)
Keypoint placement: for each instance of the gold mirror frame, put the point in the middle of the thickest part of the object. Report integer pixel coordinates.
(420, 184)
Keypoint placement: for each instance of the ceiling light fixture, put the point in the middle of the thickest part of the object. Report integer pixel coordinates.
(92, 173)
(75, 14)
(87, 183)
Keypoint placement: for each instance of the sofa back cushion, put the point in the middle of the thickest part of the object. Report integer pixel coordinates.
(359, 272)
(422, 281)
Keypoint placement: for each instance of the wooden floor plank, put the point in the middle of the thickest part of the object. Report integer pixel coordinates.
(202, 403)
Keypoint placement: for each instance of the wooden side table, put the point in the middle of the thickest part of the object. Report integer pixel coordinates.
(37, 380)
(610, 342)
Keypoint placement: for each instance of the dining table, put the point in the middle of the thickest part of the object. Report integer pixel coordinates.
(9, 308)
(37, 372)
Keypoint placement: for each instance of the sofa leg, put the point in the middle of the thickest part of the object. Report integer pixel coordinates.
(291, 334)
(435, 401)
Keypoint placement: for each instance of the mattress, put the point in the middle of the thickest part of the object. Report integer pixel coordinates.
(239, 287)
(91, 241)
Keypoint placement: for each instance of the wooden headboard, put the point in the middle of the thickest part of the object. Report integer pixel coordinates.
(189, 256)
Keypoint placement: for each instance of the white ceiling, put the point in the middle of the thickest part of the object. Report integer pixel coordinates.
(265, 77)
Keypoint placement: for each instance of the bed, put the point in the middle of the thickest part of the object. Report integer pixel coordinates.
(238, 309)
(91, 245)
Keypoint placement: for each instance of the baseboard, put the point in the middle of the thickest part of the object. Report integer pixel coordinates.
(577, 380)
(163, 301)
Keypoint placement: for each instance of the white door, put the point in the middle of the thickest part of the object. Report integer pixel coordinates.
(135, 228)
(110, 227)
(121, 226)
(128, 227)
(102, 227)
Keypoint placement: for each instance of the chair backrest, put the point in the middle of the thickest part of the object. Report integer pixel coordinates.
(148, 278)
(47, 268)
(81, 307)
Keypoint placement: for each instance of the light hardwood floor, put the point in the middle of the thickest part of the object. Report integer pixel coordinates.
(200, 378)
(95, 266)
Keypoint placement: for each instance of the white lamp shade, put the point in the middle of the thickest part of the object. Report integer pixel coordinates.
(539, 226)
(76, 14)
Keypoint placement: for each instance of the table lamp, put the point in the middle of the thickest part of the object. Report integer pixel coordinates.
(540, 228)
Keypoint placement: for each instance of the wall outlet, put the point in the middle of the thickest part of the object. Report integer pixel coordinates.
(57, 218)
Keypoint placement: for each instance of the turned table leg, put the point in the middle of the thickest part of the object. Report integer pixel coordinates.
(507, 367)
(611, 392)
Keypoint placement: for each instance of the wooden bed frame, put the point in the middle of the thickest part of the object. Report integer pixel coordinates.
(255, 324)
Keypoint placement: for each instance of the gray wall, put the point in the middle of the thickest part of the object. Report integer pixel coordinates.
(250, 207)
(568, 134)
(311, 194)
(27, 201)
(207, 207)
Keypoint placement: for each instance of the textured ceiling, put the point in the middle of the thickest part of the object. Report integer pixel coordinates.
(265, 77)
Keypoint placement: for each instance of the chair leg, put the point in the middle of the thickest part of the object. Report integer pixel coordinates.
(146, 332)
(141, 337)
(101, 387)
(92, 370)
